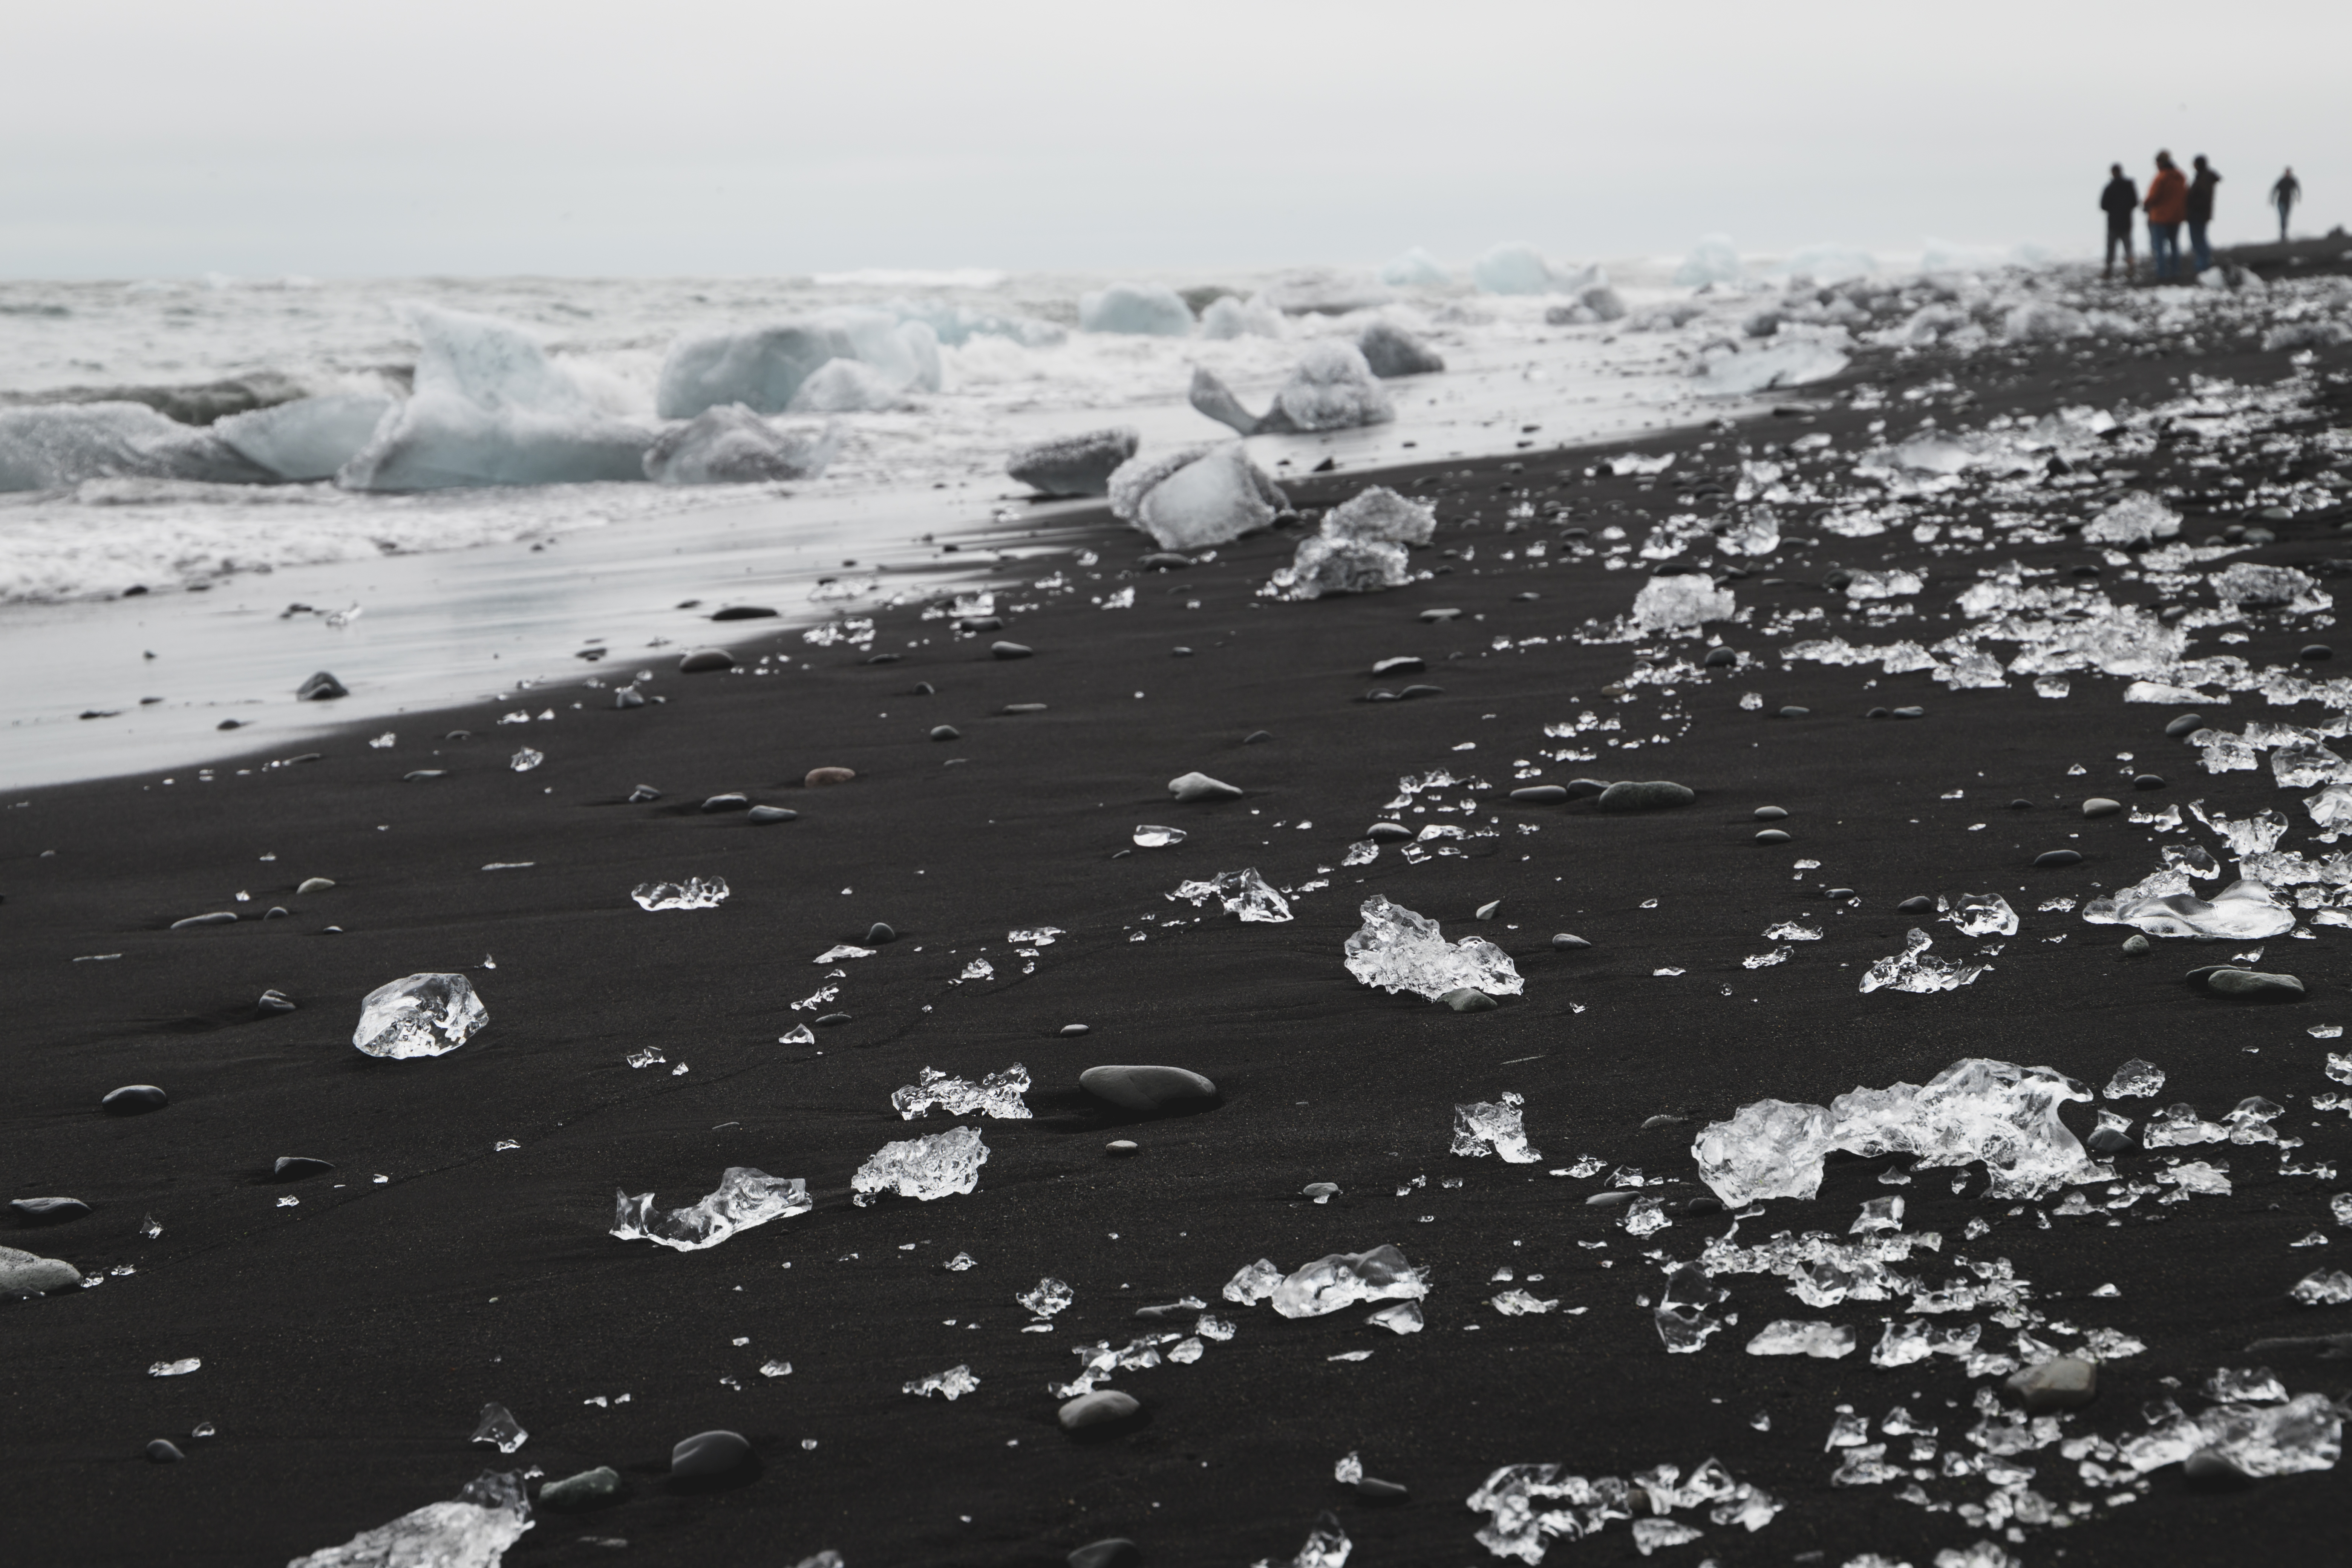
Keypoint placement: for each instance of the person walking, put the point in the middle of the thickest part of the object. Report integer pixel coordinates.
(2283, 195)
(2167, 205)
(2119, 201)
(2200, 214)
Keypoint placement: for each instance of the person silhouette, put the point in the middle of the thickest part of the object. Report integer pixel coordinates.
(2283, 195)
(2200, 214)
(2117, 201)
(2166, 207)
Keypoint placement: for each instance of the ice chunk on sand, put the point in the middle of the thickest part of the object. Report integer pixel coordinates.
(2138, 519)
(1513, 269)
(2136, 1080)
(1681, 603)
(760, 367)
(1493, 1127)
(1253, 1284)
(936, 1166)
(729, 445)
(744, 1197)
(52, 445)
(1326, 292)
(1196, 495)
(1377, 512)
(1331, 388)
(1074, 465)
(1790, 363)
(2306, 1433)
(997, 1095)
(2252, 583)
(1326, 1546)
(1977, 914)
(1788, 1336)
(492, 407)
(1398, 950)
(308, 438)
(694, 893)
(500, 1429)
(1323, 566)
(1711, 260)
(1416, 268)
(2243, 912)
(950, 1385)
(1770, 1148)
(1243, 893)
(1343, 1278)
(1683, 1314)
(422, 1016)
(473, 1531)
(1390, 351)
(1049, 1296)
(1148, 310)
(1915, 969)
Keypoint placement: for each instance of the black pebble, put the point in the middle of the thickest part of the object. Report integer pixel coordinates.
(47, 1211)
(162, 1451)
(1838, 893)
(2108, 1140)
(1540, 795)
(1720, 658)
(2187, 723)
(2314, 652)
(1705, 1205)
(1116, 1553)
(1794, 712)
(273, 912)
(2059, 858)
(728, 802)
(1565, 942)
(1179, 651)
(744, 612)
(878, 933)
(708, 1456)
(883, 659)
(1580, 788)
(1876, 713)
(2021, 803)
(294, 1167)
(830, 1019)
(946, 732)
(1010, 649)
(135, 1099)
(1772, 836)
(1915, 906)
(1372, 1489)
(642, 793)
(1257, 737)
(321, 688)
(1910, 713)
(273, 1001)
(923, 688)
(1421, 691)
(2148, 780)
(230, 724)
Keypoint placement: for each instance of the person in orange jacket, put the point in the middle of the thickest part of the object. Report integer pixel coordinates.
(2168, 208)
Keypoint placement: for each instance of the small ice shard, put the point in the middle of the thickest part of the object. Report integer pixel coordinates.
(1243, 893)
(959, 1262)
(2138, 519)
(694, 893)
(1903, 1342)
(1379, 513)
(744, 1197)
(499, 1429)
(1074, 465)
(1253, 1284)
(422, 1016)
(998, 1095)
(1048, 1297)
(840, 951)
(1195, 496)
(1149, 836)
(1681, 603)
(1914, 970)
(936, 1166)
(1645, 1216)
(1977, 914)
(1349, 1471)
(1327, 1544)
(2178, 1125)
(1516, 1304)
(952, 1385)
(1396, 949)
(775, 1369)
(473, 1531)
(1788, 1336)
(175, 1368)
(1493, 1127)
(1403, 1318)
(1332, 387)
(2306, 1433)
(1343, 1278)
(978, 969)
(1684, 1309)
(1878, 1215)
(728, 444)
(2243, 912)
(2136, 1080)
(799, 1035)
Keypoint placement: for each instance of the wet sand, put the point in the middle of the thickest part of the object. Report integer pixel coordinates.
(349, 1342)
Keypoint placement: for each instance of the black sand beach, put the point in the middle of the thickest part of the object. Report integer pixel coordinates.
(350, 1341)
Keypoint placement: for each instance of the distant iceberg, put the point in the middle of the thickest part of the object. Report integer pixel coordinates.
(1711, 260)
(764, 368)
(1144, 310)
(1416, 268)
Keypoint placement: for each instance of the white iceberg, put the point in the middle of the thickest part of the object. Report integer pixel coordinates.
(1416, 268)
(1711, 260)
(52, 445)
(1147, 309)
(308, 438)
(729, 445)
(1195, 496)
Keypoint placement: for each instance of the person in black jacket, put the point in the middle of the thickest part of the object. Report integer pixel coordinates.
(2200, 213)
(2119, 201)
(2283, 195)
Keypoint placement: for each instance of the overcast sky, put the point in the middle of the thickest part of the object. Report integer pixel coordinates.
(152, 138)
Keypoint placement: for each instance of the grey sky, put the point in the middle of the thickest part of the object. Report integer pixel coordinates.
(262, 137)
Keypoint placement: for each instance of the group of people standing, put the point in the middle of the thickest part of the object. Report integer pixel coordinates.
(2172, 199)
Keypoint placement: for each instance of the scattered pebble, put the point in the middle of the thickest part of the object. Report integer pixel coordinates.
(216, 917)
(47, 1211)
(2063, 1382)
(731, 801)
(294, 1167)
(164, 1451)
(1773, 835)
(2251, 985)
(2138, 946)
(879, 933)
(2059, 858)
(1465, 999)
(2188, 724)
(1146, 1087)
(2147, 781)
(1120, 1147)
(763, 814)
(321, 688)
(1011, 649)
(819, 778)
(586, 1488)
(1770, 814)
(1102, 1407)
(135, 1099)
(1540, 795)
(1568, 942)
(708, 1456)
(1188, 787)
(310, 885)
(946, 732)
(1793, 711)
(1070, 1031)
(1656, 794)
(703, 660)
(2100, 806)
(1117, 1552)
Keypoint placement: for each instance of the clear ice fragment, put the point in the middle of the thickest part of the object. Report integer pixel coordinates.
(2243, 912)
(1520, 1304)
(1770, 1148)
(694, 893)
(500, 1429)
(2323, 1288)
(472, 1531)
(2179, 1124)
(1350, 1470)
(2136, 1080)
(1253, 1284)
(935, 1166)
(1048, 1297)
(1149, 836)
(422, 1015)
(998, 1095)
(1243, 893)
(1403, 1318)
(1977, 914)
(744, 1197)
(525, 759)
(1683, 1312)
(1396, 949)
(1791, 1336)
(952, 1385)
(1914, 969)
(1342, 1278)
(1494, 1128)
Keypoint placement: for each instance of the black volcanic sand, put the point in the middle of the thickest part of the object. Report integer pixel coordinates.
(350, 1342)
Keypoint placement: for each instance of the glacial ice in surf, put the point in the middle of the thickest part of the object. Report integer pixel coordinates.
(1416, 268)
(424, 1014)
(1791, 363)
(472, 1531)
(1977, 914)
(764, 368)
(1148, 310)
(1331, 388)
(1977, 1109)
(1074, 465)
(1390, 351)
(1343, 1278)
(1396, 949)
(54, 445)
(1228, 318)
(308, 438)
(2138, 519)
(1243, 893)
(1513, 269)
(1323, 566)
(492, 407)
(1681, 603)
(997, 1095)
(939, 1165)
(1916, 969)
(846, 386)
(1494, 1127)
(1711, 260)
(1195, 496)
(743, 1198)
(729, 445)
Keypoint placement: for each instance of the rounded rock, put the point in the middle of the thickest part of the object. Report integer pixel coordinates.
(1372, 1489)
(764, 814)
(294, 1167)
(1100, 1408)
(703, 660)
(310, 885)
(47, 1211)
(2063, 1382)
(1655, 795)
(321, 688)
(1773, 835)
(1011, 649)
(708, 1455)
(1770, 814)
(744, 612)
(2312, 653)
(2021, 803)
(162, 1451)
(1388, 832)
(1540, 795)
(1143, 1088)
(946, 732)
(1720, 659)
(582, 1491)
(135, 1099)
(2059, 858)
(1609, 1199)
(731, 801)
(822, 778)
(2210, 1470)
(2108, 1140)
(2138, 946)
(1257, 737)
(2255, 986)
(1467, 999)
(1192, 786)
(1793, 711)
(2100, 806)
(1121, 1148)
(1072, 1031)
(1568, 942)
(1919, 904)
(2147, 781)
(2185, 724)
(879, 933)
(29, 1274)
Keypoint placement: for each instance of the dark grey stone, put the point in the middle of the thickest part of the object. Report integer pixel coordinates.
(2255, 986)
(2100, 806)
(642, 793)
(731, 801)
(1011, 649)
(217, 918)
(946, 732)
(162, 1451)
(707, 1456)
(1100, 1408)
(321, 688)
(744, 612)
(47, 1211)
(2063, 1382)
(1402, 664)
(1770, 814)
(135, 1099)
(2188, 724)
(764, 814)
(1540, 795)
(1116, 1553)
(1568, 942)
(1388, 833)
(1773, 835)
(1145, 1088)
(584, 1489)
(2059, 858)
(1465, 999)
(1720, 659)
(1656, 794)
(2147, 781)
(2138, 946)
(1919, 904)
(879, 933)
(703, 660)
(294, 1167)
(1793, 711)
